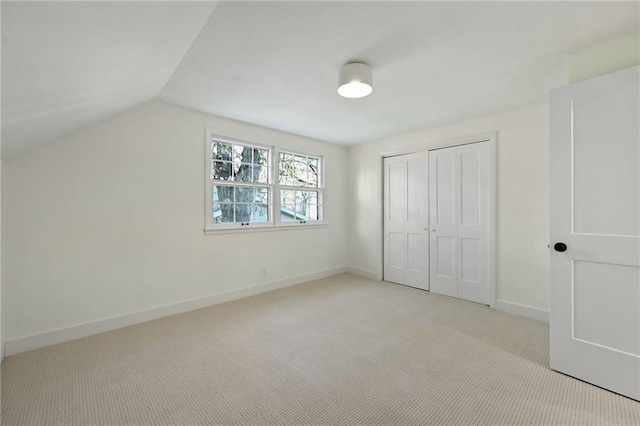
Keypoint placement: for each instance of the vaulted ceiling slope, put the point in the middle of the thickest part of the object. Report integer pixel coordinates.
(66, 65)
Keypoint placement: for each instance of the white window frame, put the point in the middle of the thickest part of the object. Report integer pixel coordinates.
(319, 189)
(210, 183)
(275, 222)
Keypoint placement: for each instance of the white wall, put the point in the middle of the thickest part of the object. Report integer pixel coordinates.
(604, 58)
(3, 171)
(109, 222)
(522, 202)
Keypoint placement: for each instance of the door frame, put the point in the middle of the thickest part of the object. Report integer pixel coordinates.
(492, 138)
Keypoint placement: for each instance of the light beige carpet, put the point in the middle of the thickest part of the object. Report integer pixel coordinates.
(343, 350)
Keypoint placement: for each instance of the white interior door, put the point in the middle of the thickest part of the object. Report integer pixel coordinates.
(443, 275)
(595, 231)
(406, 246)
(460, 221)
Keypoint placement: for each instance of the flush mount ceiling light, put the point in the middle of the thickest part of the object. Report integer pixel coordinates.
(356, 80)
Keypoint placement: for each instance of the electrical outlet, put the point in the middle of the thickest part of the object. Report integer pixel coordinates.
(263, 272)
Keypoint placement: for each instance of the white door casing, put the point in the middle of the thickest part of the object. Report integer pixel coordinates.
(460, 221)
(595, 212)
(406, 242)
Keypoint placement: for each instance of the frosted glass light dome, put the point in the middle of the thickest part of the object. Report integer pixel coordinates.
(356, 80)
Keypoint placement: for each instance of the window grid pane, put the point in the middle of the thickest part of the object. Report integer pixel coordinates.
(240, 162)
(298, 170)
(241, 204)
(299, 205)
(242, 190)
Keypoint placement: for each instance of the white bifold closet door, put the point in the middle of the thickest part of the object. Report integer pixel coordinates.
(460, 221)
(406, 243)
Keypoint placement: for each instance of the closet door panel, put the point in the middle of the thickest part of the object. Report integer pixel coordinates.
(474, 222)
(459, 197)
(442, 222)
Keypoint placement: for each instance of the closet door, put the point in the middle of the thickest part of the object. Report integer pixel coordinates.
(459, 218)
(474, 222)
(406, 258)
(443, 207)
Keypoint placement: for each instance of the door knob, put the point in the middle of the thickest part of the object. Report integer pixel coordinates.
(560, 247)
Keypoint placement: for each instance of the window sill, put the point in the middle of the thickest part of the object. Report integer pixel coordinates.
(287, 227)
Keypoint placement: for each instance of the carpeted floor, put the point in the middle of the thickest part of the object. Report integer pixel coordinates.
(343, 350)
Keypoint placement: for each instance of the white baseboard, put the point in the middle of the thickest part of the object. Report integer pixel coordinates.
(53, 337)
(363, 273)
(523, 310)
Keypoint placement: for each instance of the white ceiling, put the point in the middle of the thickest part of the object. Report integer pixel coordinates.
(67, 65)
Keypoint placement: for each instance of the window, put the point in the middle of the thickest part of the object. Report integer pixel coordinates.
(240, 176)
(300, 191)
(250, 185)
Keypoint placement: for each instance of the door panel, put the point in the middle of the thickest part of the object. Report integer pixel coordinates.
(443, 181)
(442, 214)
(415, 191)
(443, 276)
(396, 250)
(460, 221)
(395, 213)
(469, 188)
(607, 315)
(474, 222)
(595, 211)
(415, 253)
(470, 260)
(406, 246)
(603, 159)
(397, 192)
(417, 223)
